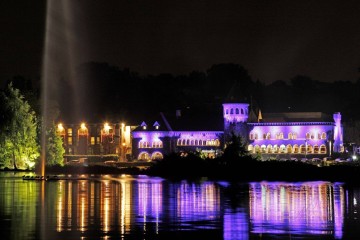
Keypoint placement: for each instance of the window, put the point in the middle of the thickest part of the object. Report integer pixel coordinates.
(251, 136)
(316, 149)
(236, 111)
(307, 136)
(263, 148)
(70, 142)
(231, 111)
(269, 149)
(178, 142)
(280, 135)
(157, 144)
(288, 148)
(282, 148)
(242, 111)
(144, 156)
(323, 149)
(296, 148)
(92, 140)
(323, 135)
(69, 132)
(268, 136)
(227, 111)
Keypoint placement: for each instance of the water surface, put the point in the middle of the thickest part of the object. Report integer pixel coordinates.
(141, 207)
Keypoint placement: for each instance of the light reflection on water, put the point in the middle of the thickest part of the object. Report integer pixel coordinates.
(126, 207)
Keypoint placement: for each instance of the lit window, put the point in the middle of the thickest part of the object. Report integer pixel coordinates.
(307, 135)
(323, 135)
(70, 142)
(69, 131)
(92, 140)
(322, 149)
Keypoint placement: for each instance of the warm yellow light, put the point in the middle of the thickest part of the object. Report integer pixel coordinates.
(122, 125)
(83, 126)
(60, 127)
(106, 127)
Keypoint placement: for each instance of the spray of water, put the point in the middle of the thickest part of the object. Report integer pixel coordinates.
(63, 51)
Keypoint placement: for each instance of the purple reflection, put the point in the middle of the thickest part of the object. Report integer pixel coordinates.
(297, 208)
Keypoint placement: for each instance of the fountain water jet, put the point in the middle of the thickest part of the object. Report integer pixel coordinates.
(63, 51)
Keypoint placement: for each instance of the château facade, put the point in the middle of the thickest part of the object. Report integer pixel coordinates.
(268, 135)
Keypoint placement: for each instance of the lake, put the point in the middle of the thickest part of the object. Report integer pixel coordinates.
(142, 207)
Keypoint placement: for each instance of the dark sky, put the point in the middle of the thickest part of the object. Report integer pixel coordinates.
(273, 39)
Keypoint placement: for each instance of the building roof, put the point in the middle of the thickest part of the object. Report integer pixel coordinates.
(296, 117)
(184, 120)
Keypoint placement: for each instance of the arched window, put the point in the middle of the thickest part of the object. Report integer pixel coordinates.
(323, 149)
(196, 142)
(275, 148)
(144, 156)
(188, 142)
(307, 136)
(231, 111)
(183, 142)
(294, 135)
(217, 142)
(296, 148)
(302, 148)
(323, 135)
(309, 149)
(290, 136)
(255, 136)
(227, 111)
(263, 148)
(251, 137)
(280, 135)
(268, 136)
(269, 149)
(282, 148)
(236, 111)
(157, 155)
(312, 136)
(288, 149)
(316, 149)
(257, 149)
(192, 142)
(242, 111)
(250, 148)
(179, 142)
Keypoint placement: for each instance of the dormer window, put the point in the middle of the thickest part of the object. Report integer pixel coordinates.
(156, 125)
(143, 125)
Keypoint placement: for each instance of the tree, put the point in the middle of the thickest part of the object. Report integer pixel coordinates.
(236, 148)
(19, 148)
(54, 147)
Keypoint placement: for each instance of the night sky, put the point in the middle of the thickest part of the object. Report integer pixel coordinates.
(273, 40)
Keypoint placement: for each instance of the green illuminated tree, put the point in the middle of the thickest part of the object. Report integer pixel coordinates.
(54, 147)
(19, 148)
